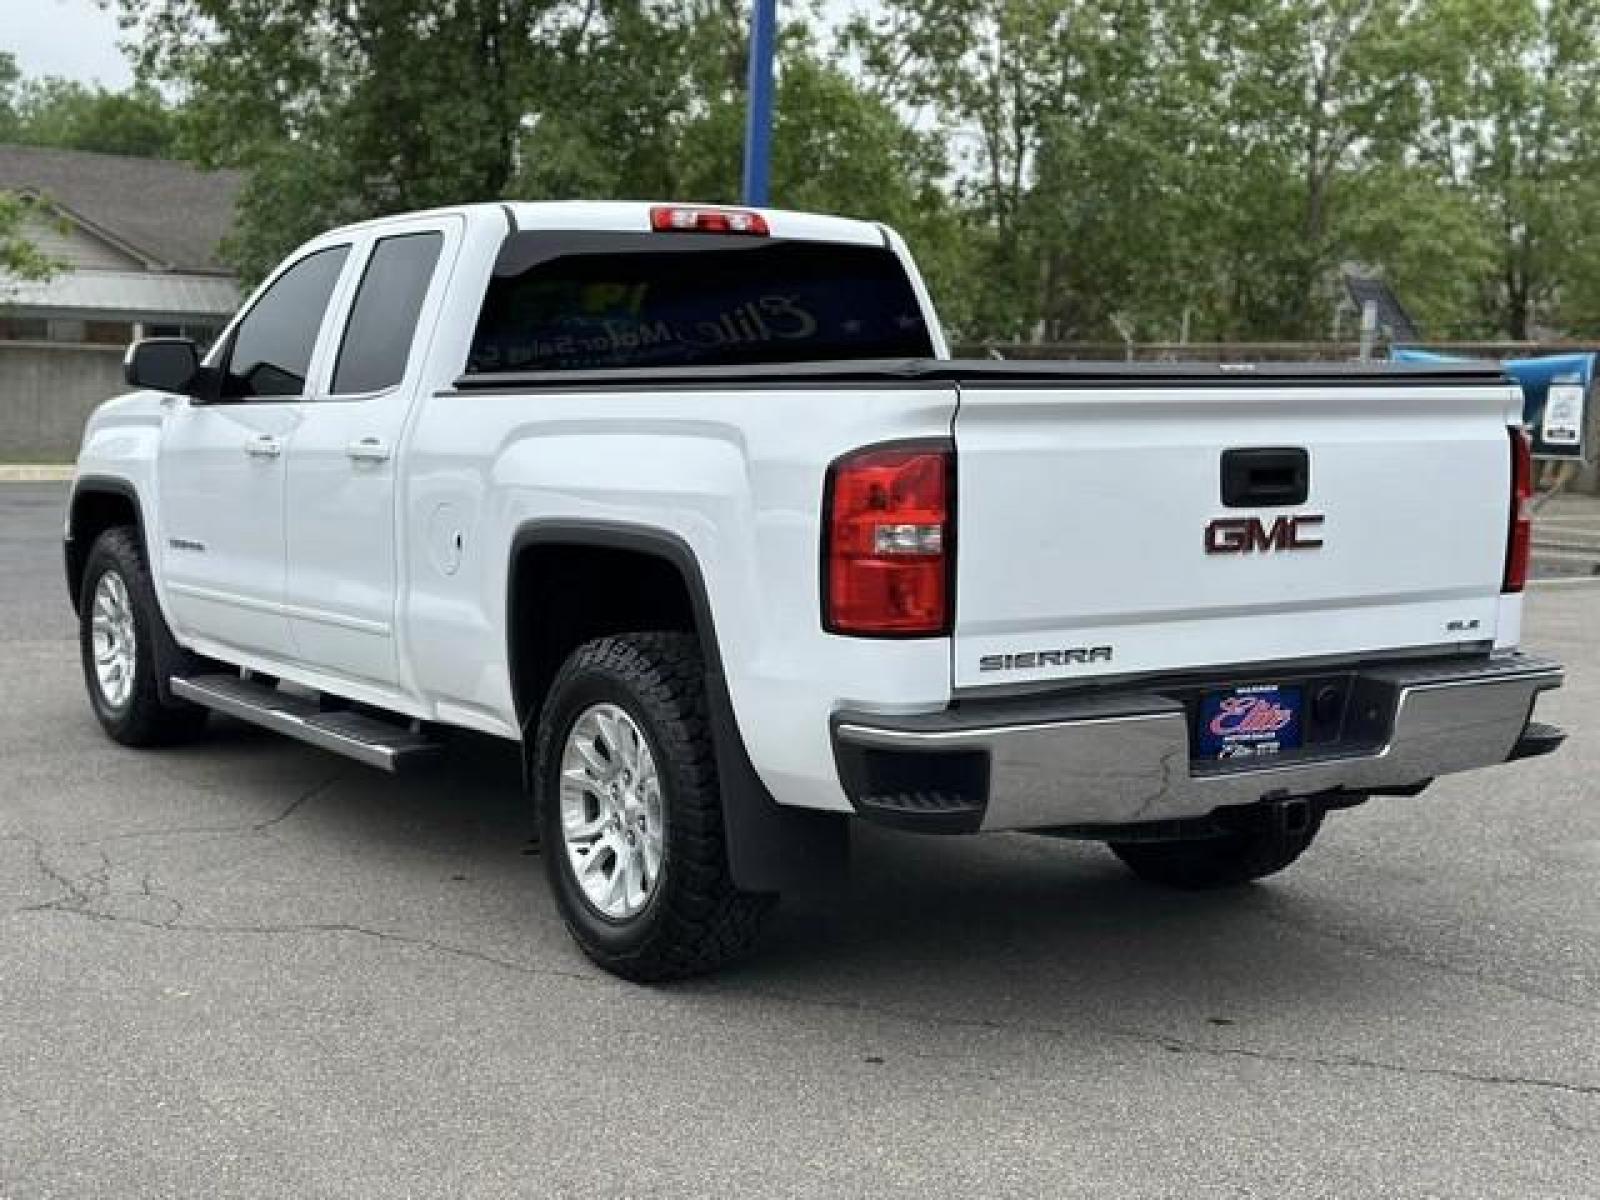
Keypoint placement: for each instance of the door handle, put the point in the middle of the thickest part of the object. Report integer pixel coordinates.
(368, 449)
(263, 445)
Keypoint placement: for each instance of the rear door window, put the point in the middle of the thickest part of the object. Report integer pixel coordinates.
(383, 319)
(563, 301)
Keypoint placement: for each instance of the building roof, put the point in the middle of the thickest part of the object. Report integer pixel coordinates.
(170, 214)
(127, 295)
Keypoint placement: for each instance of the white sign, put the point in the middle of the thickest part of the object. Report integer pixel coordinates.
(1563, 416)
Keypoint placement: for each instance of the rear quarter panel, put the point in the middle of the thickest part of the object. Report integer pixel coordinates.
(736, 475)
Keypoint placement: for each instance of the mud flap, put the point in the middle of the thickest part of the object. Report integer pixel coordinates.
(771, 848)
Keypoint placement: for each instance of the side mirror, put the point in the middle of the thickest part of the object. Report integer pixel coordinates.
(164, 365)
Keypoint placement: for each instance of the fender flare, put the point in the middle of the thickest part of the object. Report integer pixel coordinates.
(105, 485)
(771, 847)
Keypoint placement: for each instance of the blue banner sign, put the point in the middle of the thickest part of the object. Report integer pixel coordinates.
(1555, 394)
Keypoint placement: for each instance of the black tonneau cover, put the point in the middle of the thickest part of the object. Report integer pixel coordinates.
(994, 372)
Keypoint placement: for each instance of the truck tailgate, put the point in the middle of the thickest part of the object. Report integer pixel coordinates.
(1086, 543)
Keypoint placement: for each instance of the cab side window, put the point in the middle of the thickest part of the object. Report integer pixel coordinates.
(271, 350)
(383, 320)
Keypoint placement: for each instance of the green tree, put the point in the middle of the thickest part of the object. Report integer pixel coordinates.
(1200, 166)
(69, 115)
(1064, 169)
(75, 116)
(1524, 142)
(20, 259)
(1326, 88)
(1432, 241)
(10, 76)
(1122, 204)
(988, 73)
(345, 110)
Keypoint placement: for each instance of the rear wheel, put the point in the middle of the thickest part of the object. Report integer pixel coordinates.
(631, 814)
(128, 650)
(1227, 860)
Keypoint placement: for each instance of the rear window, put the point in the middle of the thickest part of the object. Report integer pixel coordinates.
(584, 301)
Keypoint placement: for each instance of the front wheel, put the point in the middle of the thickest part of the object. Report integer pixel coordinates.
(631, 814)
(127, 648)
(1228, 860)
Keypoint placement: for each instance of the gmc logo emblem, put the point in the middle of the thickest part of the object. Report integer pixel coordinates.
(1248, 535)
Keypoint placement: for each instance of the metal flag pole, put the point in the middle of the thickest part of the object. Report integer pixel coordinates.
(758, 114)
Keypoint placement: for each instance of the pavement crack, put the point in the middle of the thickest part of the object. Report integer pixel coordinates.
(299, 801)
(317, 928)
(1353, 942)
(313, 792)
(80, 891)
(1172, 1044)
(85, 896)
(148, 890)
(1359, 1063)
(1559, 1121)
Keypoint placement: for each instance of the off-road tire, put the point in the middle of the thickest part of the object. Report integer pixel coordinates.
(144, 718)
(1229, 860)
(695, 920)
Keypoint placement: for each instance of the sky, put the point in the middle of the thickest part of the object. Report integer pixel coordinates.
(73, 38)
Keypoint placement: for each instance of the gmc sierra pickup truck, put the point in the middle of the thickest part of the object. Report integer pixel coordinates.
(693, 504)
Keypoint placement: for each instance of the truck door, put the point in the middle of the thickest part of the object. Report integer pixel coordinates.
(342, 542)
(220, 468)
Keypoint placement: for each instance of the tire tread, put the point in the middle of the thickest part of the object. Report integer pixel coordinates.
(702, 920)
(148, 720)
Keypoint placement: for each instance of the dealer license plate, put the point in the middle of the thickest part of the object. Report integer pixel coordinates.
(1242, 723)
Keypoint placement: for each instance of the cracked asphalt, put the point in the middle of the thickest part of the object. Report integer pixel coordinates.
(247, 968)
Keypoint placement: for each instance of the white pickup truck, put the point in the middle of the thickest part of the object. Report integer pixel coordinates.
(693, 504)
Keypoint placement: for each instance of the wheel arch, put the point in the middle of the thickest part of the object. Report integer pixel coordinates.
(98, 503)
(770, 847)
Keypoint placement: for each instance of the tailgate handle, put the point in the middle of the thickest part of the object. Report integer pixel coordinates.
(1266, 476)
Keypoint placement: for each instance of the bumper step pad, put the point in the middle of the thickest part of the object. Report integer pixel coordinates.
(1538, 738)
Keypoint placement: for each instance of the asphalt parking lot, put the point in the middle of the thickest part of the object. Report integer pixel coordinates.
(1567, 536)
(247, 968)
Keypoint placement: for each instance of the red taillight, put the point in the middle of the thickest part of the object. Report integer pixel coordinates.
(1519, 545)
(888, 526)
(678, 219)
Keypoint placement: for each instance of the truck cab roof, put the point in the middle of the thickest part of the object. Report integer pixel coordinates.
(634, 216)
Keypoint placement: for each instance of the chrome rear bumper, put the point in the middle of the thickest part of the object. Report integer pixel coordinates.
(1123, 758)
